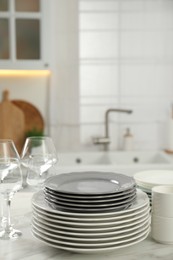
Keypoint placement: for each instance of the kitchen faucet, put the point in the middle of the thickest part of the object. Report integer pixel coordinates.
(106, 139)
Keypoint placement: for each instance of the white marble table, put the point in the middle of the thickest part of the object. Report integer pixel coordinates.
(28, 247)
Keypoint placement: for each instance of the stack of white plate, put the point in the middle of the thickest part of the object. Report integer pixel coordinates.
(90, 191)
(88, 231)
(146, 180)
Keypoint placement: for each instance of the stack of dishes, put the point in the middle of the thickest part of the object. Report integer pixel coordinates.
(146, 180)
(90, 191)
(86, 227)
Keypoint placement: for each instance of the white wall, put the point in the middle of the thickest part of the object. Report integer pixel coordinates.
(126, 61)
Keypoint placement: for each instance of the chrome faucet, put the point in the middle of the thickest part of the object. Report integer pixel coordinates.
(106, 139)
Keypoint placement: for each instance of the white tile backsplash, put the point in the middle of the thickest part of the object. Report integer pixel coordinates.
(99, 80)
(142, 44)
(146, 110)
(146, 135)
(98, 44)
(93, 114)
(146, 5)
(98, 21)
(146, 21)
(98, 5)
(132, 5)
(99, 101)
(147, 80)
(127, 64)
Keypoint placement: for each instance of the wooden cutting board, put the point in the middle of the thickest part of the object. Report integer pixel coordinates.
(12, 122)
(33, 118)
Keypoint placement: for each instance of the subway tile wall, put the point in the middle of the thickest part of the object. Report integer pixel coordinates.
(126, 61)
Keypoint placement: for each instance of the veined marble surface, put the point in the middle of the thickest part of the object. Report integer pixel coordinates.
(28, 247)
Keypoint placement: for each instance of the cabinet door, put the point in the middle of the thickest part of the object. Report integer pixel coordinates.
(22, 31)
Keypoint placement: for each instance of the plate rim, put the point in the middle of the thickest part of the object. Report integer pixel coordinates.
(108, 176)
(117, 231)
(127, 201)
(96, 250)
(139, 204)
(101, 244)
(91, 199)
(93, 229)
(85, 224)
(119, 216)
(73, 238)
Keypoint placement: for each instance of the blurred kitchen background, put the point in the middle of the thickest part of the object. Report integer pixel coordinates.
(74, 59)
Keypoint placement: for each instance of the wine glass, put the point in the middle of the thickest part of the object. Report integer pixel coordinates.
(10, 183)
(38, 156)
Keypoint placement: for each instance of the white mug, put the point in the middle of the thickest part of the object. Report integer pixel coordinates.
(162, 229)
(162, 201)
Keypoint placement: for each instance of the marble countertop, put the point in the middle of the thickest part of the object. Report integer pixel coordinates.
(28, 247)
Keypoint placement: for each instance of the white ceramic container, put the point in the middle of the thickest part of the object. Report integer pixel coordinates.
(162, 229)
(162, 201)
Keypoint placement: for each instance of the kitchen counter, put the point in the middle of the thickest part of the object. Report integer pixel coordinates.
(28, 247)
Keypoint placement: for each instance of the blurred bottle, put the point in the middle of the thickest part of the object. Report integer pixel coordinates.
(128, 140)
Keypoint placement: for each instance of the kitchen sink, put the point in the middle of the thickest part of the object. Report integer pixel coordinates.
(125, 162)
(114, 158)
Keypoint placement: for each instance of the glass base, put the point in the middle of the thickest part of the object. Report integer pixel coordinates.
(11, 234)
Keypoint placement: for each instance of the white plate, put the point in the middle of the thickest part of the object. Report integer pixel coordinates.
(91, 219)
(92, 245)
(154, 177)
(98, 239)
(38, 200)
(95, 224)
(67, 232)
(92, 235)
(90, 208)
(90, 200)
(89, 251)
(97, 204)
(83, 228)
(92, 197)
(90, 183)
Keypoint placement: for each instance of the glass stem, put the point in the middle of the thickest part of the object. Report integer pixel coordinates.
(6, 218)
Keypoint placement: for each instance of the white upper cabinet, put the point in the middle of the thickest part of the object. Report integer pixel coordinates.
(24, 34)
